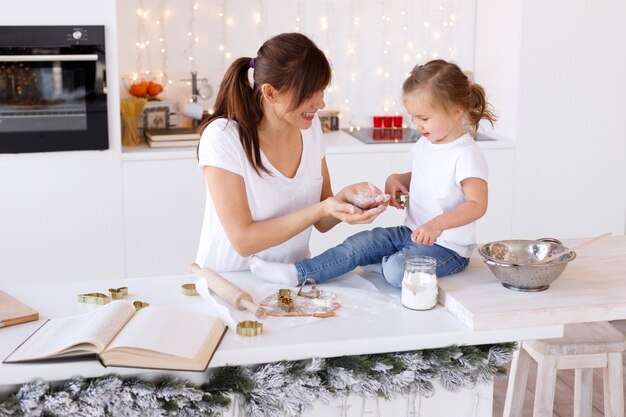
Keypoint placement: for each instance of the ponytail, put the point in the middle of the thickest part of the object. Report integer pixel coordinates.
(239, 101)
(477, 107)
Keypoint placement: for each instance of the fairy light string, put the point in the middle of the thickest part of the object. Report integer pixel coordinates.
(402, 34)
(163, 41)
(192, 38)
(143, 43)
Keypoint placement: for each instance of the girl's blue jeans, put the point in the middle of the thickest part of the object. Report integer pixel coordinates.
(388, 246)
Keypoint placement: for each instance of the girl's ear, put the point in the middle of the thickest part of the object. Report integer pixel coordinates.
(269, 92)
(458, 111)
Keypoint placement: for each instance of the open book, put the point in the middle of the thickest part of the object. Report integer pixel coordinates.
(153, 337)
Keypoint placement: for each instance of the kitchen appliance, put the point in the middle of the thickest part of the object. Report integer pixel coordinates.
(52, 89)
(383, 135)
(370, 135)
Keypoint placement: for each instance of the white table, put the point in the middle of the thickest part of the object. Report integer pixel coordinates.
(592, 288)
(368, 322)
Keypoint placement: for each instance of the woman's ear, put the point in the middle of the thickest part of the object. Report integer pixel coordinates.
(269, 92)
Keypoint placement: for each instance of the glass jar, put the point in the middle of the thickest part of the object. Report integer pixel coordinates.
(419, 285)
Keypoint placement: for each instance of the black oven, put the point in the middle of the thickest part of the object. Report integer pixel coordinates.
(52, 89)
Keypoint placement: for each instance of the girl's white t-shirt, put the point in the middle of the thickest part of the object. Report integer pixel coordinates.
(436, 175)
(269, 196)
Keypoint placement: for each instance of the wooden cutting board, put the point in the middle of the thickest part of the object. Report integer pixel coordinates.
(14, 312)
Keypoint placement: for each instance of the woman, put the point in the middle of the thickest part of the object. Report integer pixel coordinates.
(263, 158)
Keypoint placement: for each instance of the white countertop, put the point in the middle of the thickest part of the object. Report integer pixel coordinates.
(592, 288)
(369, 321)
(338, 142)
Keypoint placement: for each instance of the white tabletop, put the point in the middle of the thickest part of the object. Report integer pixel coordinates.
(371, 320)
(592, 288)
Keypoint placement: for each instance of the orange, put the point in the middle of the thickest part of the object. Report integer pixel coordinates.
(138, 90)
(154, 89)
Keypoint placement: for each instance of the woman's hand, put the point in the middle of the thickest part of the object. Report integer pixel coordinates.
(397, 183)
(349, 213)
(427, 233)
(363, 195)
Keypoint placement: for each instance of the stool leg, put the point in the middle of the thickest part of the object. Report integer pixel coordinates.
(516, 388)
(583, 392)
(546, 384)
(614, 386)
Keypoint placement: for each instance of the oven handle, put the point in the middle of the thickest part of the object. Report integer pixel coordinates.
(41, 58)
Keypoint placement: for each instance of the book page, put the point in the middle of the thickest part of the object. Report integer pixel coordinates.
(166, 330)
(89, 332)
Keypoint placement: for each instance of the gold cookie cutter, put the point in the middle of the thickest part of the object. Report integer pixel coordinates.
(249, 328)
(314, 292)
(189, 289)
(94, 298)
(118, 293)
(140, 304)
(402, 198)
(285, 302)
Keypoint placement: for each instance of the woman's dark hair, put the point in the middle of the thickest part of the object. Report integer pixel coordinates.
(448, 87)
(290, 62)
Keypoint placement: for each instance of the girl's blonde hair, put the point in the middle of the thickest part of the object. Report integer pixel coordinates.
(449, 87)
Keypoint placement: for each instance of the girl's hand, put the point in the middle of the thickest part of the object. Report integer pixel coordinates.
(427, 233)
(393, 185)
(349, 213)
(363, 195)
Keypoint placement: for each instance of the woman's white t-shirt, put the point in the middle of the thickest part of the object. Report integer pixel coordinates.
(269, 196)
(436, 175)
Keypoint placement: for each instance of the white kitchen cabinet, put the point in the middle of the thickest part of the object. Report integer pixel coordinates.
(163, 209)
(164, 197)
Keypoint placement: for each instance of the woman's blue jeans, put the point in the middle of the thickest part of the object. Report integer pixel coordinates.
(389, 246)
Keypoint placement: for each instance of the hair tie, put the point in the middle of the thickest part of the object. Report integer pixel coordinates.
(252, 62)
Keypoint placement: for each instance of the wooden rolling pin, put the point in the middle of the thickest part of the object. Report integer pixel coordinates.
(228, 291)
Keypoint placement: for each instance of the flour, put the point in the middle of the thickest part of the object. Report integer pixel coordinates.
(419, 290)
(368, 195)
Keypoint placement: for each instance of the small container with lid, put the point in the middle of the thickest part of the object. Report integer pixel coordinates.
(419, 285)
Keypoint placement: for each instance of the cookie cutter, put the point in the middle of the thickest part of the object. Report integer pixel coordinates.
(189, 289)
(285, 302)
(402, 198)
(249, 328)
(94, 298)
(140, 304)
(314, 292)
(118, 293)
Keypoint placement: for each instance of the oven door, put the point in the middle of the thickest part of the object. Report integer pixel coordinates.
(52, 99)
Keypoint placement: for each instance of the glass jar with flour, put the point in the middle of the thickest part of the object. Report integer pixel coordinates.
(419, 285)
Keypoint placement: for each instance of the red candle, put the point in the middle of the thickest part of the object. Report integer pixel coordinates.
(387, 121)
(397, 121)
(378, 121)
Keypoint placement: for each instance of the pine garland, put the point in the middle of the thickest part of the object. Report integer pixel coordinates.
(279, 389)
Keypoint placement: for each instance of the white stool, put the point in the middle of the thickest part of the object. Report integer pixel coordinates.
(583, 347)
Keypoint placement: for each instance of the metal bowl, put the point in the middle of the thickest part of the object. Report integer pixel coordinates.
(517, 263)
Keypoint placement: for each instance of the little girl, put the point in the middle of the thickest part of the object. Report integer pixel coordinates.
(447, 185)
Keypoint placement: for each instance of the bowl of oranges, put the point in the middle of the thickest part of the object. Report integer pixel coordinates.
(147, 87)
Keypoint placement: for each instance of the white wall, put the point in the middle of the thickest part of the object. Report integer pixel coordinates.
(443, 28)
(563, 78)
(61, 213)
